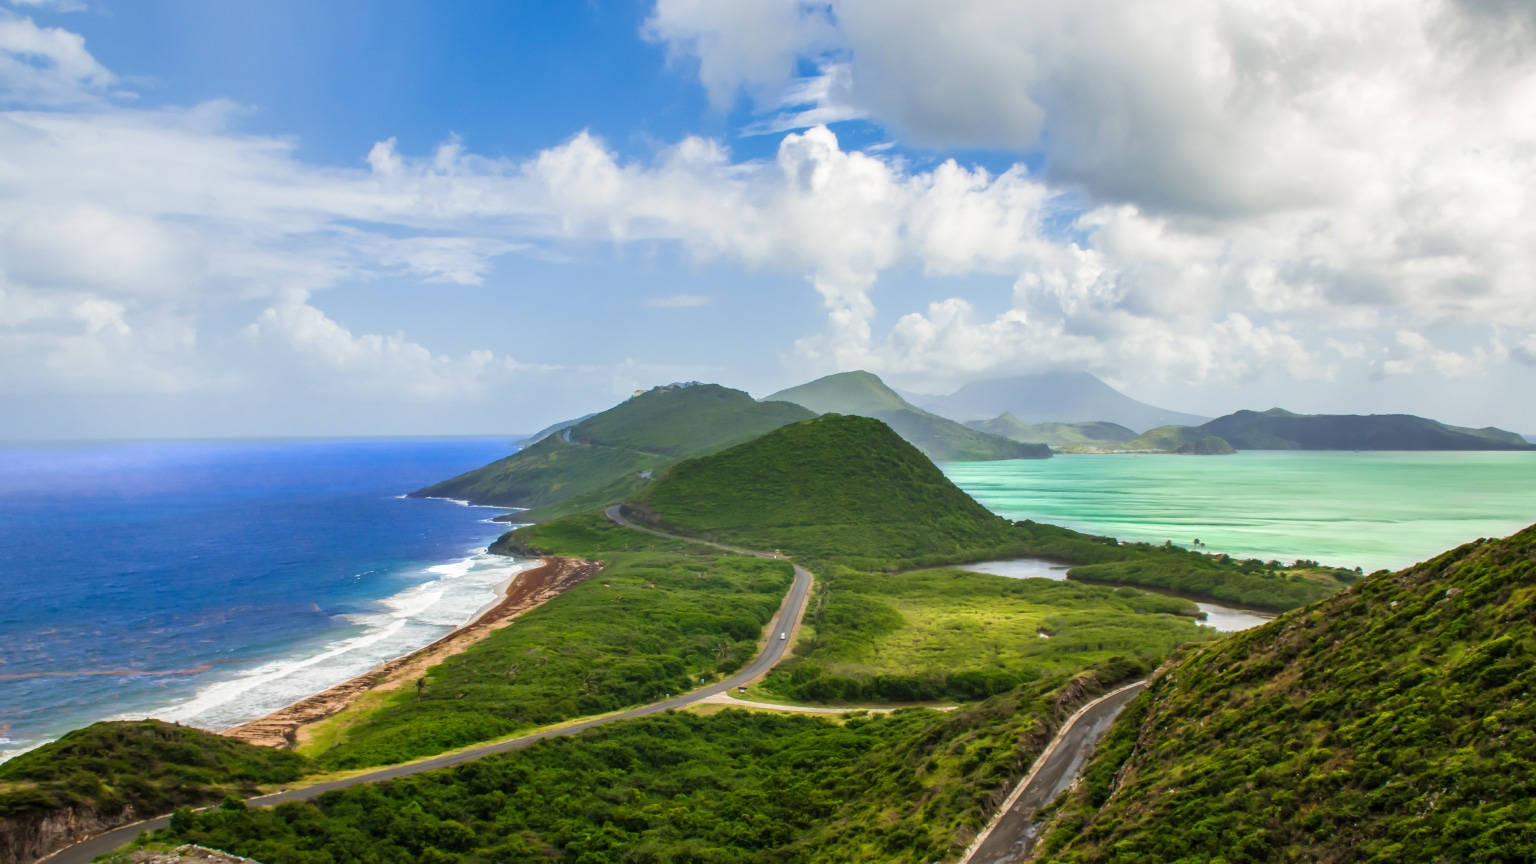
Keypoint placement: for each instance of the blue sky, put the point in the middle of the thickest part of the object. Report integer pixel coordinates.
(315, 218)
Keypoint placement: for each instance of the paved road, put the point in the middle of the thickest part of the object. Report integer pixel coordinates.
(1010, 839)
(783, 621)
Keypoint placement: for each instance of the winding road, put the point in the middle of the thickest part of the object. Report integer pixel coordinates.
(1011, 835)
(784, 621)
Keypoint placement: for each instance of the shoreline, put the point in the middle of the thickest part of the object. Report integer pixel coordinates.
(526, 590)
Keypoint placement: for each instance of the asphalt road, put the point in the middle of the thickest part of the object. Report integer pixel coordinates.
(1011, 838)
(784, 621)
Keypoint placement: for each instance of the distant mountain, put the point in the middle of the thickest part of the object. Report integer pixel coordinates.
(941, 439)
(1057, 435)
(838, 486)
(610, 454)
(1054, 397)
(1389, 722)
(1278, 429)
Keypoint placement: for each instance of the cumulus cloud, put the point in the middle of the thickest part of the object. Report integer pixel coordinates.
(1281, 165)
(1230, 191)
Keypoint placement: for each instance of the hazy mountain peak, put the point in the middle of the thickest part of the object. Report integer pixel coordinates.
(1063, 396)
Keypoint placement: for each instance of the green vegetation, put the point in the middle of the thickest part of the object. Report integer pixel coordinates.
(1060, 436)
(1390, 723)
(732, 787)
(847, 491)
(943, 440)
(605, 457)
(956, 635)
(1278, 429)
(146, 767)
(1250, 582)
(836, 488)
(660, 615)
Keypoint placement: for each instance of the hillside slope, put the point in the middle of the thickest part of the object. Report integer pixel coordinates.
(1177, 439)
(1391, 722)
(1056, 435)
(837, 486)
(605, 456)
(941, 439)
(1053, 397)
(1278, 429)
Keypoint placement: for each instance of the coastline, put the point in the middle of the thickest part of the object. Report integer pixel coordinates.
(526, 590)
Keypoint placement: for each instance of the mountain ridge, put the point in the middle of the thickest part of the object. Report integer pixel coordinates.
(940, 438)
(609, 454)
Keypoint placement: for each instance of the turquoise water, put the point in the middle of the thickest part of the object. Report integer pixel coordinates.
(1371, 510)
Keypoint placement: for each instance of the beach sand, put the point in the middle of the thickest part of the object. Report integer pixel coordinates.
(526, 590)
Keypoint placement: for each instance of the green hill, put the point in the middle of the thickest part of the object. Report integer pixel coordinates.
(1178, 439)
(837, 486)
(1278, 429)
(1391, 722)
(943, 440)
(608, 455)
(1056, 435)
(114, 772)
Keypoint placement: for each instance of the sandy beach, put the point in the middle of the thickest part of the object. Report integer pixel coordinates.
(526, 590)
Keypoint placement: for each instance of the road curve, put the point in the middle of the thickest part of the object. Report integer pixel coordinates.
(1011, 835)
(784, 621)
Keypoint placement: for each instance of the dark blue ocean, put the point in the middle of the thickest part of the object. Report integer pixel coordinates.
(211, 582)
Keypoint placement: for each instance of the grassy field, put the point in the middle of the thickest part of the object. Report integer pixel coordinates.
(735, 786)
(954, 635)
(659, 616)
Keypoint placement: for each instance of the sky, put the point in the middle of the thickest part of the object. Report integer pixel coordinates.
(298, 218)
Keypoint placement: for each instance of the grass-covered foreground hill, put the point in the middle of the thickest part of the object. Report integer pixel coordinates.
(115, 772)
(606, 456)
(942, 439)
(836, 487)
(1393, 722)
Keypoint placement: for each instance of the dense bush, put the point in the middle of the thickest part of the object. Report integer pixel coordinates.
(1392, 722)
(147, 765)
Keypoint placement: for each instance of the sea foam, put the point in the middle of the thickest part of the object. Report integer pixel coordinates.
(456, 592)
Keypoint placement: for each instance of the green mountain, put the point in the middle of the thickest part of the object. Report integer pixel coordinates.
(1056, 435)
(1278, 429)
(837, 486)
(943, 440)
(1391, 722)
(1193, 440)
(608, 455)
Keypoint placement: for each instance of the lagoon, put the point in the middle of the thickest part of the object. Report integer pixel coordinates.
(1368, 509)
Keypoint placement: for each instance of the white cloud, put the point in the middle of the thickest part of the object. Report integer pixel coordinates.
(47, 65)
(1305, 240)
